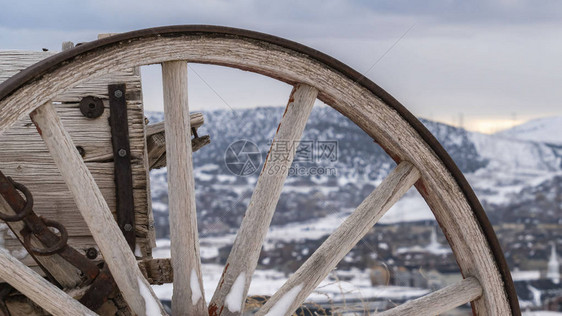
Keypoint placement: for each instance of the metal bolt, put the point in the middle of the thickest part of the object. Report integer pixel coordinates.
(128, 227)
(122, 152)
(118, 93)
(91, 107)
(92, 253)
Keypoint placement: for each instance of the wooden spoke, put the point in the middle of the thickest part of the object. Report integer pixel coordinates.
(91, 204)
(188, 298)
(326, 257)
(440, 301)
(233, 287)
(39, 290)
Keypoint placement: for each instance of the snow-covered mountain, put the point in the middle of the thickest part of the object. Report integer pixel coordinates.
(497, 167)
(543, 130)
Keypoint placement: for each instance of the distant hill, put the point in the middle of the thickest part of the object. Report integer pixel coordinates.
(544, 130)
(496, 166)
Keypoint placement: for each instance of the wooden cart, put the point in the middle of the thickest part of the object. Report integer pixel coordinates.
(63, 132)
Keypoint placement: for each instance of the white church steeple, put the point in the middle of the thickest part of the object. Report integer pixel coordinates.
(553, 272)
(433, 239)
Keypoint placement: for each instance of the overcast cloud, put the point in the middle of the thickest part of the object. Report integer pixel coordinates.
(489, 60)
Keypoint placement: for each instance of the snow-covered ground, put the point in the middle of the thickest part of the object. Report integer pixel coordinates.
(357, 286)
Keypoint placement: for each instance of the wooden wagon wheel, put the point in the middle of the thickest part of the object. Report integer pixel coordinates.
(421, 162)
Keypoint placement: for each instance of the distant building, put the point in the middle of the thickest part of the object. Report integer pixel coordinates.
(536, 292)
(553, 270)
(437, 280)
(539, 295)
(380, 275)
(531, 275)
(408, 278)
(434, 247)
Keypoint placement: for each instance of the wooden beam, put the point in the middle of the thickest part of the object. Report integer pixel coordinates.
(156, 141)
(331, 252)
(157, 271)
(245, 252)
(196, 144)
(156, 147)
(188, 297)
(441, 301)
(39, 290)
(91, 204)
(196, 120)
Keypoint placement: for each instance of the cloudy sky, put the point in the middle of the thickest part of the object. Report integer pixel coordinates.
(483, 64)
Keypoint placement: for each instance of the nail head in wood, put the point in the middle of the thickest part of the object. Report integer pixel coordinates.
(92, 253)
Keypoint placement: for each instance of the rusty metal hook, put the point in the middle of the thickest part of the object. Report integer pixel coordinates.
(56, 248)
(26, 210)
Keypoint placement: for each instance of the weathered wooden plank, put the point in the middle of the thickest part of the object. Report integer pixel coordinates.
(157, 271)
(331, 252)
(196, 120)
(38, 289)
(67, 45)
(12, 62)
(156, 148)
(51, 194)
(441, 301)
(245, 252)
(157, 157)
(22, 306)
(188, 297)
(92, 135)
(156, 141)
(94, 209)
(25, 157)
